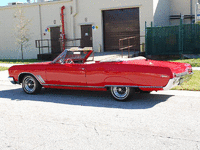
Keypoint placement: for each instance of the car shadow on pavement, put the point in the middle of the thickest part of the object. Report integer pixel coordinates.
(86, 98)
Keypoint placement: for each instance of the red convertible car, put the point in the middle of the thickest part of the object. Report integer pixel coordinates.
(72, 70)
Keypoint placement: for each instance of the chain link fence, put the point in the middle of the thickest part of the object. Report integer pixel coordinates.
(173, 40)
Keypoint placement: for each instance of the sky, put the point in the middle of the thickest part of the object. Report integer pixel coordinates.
(5, 2)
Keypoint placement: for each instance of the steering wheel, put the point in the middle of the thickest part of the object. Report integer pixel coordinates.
(69, 61)
(62, 61)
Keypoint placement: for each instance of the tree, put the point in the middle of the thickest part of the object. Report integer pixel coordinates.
(22, 29)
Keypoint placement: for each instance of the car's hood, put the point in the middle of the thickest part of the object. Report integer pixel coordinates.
(29, 65)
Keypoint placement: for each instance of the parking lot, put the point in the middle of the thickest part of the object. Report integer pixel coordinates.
(64, 119)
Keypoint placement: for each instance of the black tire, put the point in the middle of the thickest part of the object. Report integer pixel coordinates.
(30, 85)
(121, 93)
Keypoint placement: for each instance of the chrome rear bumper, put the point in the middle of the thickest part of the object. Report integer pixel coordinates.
(178, 80)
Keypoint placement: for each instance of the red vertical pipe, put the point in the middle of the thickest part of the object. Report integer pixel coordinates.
(63, 27)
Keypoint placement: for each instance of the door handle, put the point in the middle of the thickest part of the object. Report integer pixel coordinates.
(82, 68)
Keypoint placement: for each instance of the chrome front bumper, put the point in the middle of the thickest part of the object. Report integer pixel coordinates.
(11, 79)
(178, 80)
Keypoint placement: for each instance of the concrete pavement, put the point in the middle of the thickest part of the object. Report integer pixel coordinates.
(77, 120)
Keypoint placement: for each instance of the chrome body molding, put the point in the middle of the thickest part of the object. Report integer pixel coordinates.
(134, 86)
(164, 76)
(102, 86)
(73, 86)
(40, 78)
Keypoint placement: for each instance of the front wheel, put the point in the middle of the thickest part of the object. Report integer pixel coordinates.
(30, 85)
(121, 93)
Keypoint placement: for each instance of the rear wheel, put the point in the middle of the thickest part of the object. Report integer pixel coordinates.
(121, 93)
(30, 85)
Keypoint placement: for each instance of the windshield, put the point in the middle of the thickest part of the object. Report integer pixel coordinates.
(76, 56)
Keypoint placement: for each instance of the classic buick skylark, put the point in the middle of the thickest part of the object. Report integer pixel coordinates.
(72, 70)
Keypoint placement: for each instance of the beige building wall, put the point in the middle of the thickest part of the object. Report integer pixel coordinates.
(182, 7)
(161, 12)
(77, 13)
(50, 13)
(90, 12)
(81, 12)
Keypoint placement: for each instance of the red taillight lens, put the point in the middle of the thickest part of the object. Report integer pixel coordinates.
(190, 71)
(174, 74)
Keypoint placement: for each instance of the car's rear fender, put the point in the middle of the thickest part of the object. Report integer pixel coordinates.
(117, 80)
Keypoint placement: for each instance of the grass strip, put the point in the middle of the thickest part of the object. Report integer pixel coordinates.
(192, 62)
(192, 85)
(3, 68)
(19, 61)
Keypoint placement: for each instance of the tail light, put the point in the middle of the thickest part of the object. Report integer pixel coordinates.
(174, 74)
(190, 70)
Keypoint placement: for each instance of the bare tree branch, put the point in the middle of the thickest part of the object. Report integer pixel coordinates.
(22, 31)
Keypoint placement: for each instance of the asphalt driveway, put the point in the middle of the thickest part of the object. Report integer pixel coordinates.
(65, 119)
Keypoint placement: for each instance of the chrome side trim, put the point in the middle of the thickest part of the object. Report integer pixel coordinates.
(73, 86)
(40, 78)
(134, 86)
(102, 86)
(164, 76)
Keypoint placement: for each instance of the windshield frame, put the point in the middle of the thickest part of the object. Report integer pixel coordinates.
(64, 54)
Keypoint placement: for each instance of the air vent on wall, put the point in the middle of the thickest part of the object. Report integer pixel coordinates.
(15, 3)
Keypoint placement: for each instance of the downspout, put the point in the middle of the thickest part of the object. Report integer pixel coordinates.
(73, 18)
(63, 27)
(40, 14)
(191, 11)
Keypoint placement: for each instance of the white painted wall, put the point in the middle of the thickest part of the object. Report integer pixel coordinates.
(50, 12)
(92, 10)
(88, 12)
(8, 46)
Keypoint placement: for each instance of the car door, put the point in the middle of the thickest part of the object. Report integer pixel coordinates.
(66, 74)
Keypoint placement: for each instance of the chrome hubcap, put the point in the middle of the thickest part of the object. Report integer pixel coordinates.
(120, 92)
(29, 84)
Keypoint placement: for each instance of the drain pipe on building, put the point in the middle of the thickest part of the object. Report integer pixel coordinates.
(40, 15)
(63, 28)
(191, 11)
(74, 13)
